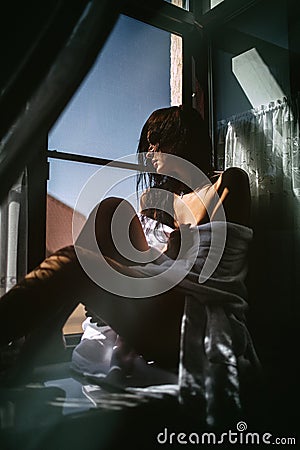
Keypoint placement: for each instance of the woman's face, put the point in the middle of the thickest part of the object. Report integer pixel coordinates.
(157, 158)
(162, 162)
(161, 159)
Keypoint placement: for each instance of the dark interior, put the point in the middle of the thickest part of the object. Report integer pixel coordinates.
(45, 42)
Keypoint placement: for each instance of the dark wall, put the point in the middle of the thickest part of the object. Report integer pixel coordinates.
(263, 27)
(294, 44)
(21, 26)
(31, 35)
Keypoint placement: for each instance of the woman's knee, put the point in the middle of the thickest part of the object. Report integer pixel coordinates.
(112, 203)
(112, 208)
(113, 214)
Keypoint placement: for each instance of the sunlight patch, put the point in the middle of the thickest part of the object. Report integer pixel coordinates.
(255, 78)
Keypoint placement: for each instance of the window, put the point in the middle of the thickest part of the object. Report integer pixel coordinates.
(180, 3)
(138, 71)
(214, 3)
(210, 4)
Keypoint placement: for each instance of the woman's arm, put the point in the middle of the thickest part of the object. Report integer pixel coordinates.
(234, 191)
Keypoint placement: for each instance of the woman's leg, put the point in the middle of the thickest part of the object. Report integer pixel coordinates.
(113, 220)
(151, 326)
(37, 308)
(54, 286)
(47, 294)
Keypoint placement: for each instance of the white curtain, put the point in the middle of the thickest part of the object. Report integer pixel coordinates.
(265, 143)
(13, 235)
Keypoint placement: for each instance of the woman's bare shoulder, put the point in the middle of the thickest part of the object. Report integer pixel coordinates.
(235, 173)
(233, 188)
(233, 177)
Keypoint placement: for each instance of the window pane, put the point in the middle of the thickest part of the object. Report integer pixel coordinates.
(180, 3)
(214, 3)
(13, 235)
(61, 203)
(210, 4)
(130, 78)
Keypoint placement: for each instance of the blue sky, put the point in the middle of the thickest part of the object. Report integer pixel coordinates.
(130, 79)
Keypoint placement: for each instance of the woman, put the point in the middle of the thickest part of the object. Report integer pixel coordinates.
(151, 324)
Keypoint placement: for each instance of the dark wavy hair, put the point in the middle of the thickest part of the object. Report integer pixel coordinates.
(181, 131)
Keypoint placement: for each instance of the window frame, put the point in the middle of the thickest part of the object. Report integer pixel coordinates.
(164, 16)
(161, 15)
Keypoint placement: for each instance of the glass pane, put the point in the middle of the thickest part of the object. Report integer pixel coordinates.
(13, 235)
(180, 3)
(66, 182)
(130, 78)
(61, 203)
(214, 3)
